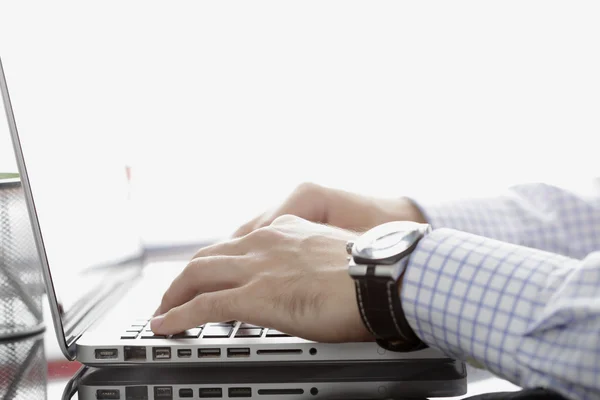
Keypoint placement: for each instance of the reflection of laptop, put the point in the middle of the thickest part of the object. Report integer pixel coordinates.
(352, 380)
(100, 291)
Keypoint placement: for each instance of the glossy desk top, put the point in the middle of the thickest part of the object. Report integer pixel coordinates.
(28, 371)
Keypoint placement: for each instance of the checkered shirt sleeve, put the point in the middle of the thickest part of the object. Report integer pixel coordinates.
(493, 290)
(534, 215)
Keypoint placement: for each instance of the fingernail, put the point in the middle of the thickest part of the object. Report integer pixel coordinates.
(157, 322)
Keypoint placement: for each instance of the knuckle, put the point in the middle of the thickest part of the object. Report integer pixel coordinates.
(244, 230)
(306, 188)
(285, 219)
(190, 269)
(259, 234)
(265, 233)
(201, 252)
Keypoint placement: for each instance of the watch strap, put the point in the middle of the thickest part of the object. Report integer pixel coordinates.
(383, 315)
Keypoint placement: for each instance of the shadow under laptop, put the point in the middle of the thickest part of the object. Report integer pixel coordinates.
(359, 380)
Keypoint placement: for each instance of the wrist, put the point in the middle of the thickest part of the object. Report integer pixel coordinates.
(377, 263)
(407, 210)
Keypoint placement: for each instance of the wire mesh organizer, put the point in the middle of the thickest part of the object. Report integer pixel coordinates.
(23, 369)
(21, 285)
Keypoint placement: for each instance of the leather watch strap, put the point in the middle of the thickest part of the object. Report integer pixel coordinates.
(383, 315)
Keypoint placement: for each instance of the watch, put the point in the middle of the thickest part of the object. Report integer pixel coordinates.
(377, 260)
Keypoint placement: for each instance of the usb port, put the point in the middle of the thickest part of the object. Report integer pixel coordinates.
(163, 393)
(184, 353)
(209, 353)
(240, 392)
(238, 352)
(186, 393)
(161, 353)
(106, 354)
(108, 394)
(211, 393)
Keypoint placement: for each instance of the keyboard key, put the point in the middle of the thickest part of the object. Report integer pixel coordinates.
(217, 332)
(247, 326)
(190, 333)
(133, 329)
(129, 335)
(151, 335)
(138, 325)
(275, 333)
(228, 323)
(252, 332)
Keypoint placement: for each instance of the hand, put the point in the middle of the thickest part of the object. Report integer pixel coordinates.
(291, 276)
(338, 208)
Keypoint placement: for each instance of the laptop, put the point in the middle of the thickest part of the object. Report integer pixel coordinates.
(101, 287)
(351, 380)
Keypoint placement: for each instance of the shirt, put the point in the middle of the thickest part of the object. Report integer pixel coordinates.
(512, 284)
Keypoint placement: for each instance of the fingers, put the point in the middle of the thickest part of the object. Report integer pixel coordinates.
(249, 226)
(233, 247)
(219, 306)
(202, 275)
(264, 221)
(306, 201)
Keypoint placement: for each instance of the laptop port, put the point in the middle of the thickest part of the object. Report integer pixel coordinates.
(240, 392)
(184, 353)
(136, 393)
(161, 353)
(108, 394)
(186, 393)
(163, 393)
(209, 353)
(280, 392)
(211, 393)
(279, 351)
(106, 354)
(135, 353)
(238, 352)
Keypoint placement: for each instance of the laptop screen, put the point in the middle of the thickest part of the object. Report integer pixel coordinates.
(79, 193)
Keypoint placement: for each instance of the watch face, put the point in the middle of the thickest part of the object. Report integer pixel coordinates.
(387, 243)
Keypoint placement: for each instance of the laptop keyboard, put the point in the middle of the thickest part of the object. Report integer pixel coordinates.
(140, 329)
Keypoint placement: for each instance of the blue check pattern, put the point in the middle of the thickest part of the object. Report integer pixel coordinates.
(512, 284)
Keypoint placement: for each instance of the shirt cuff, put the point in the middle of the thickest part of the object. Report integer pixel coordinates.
(490, 216)
(473, 297)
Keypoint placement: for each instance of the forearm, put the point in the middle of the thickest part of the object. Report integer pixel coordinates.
(530, 316)
(533, 215)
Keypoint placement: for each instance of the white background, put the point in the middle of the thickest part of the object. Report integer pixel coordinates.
(221, 108)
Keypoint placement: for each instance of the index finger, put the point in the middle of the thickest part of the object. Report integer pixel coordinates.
(202, 275)
(208, 307)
